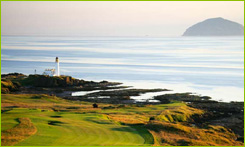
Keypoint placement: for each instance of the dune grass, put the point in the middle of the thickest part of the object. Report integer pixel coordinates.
(179, 114)
(72, 123)
(23, 130)
(177, 134)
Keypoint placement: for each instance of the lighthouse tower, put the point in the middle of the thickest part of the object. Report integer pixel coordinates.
(57, 67)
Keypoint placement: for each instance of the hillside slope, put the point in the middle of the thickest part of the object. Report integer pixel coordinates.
(215, 27)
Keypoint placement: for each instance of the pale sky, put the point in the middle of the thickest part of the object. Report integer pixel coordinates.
(112, 18)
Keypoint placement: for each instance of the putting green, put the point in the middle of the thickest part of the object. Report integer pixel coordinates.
(74, 129)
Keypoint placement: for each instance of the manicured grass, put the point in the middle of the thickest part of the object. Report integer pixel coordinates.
(59, 122)
(73, 123)
(74, 129)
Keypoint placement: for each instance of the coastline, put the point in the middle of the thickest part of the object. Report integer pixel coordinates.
(208, 66)
(116, 95)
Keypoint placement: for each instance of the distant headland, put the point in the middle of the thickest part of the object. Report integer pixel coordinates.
(215, 27)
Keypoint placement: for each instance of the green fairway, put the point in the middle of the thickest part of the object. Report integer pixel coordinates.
(44, 120)
(68, 129)
(61, 122)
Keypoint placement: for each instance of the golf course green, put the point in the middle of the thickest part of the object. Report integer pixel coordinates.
(71, 128)
(43, 120)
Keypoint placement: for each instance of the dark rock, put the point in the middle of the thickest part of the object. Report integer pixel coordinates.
(186, 97)
(229, 115)
(125, 93)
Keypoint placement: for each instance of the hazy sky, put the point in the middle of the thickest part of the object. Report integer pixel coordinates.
(118, 18)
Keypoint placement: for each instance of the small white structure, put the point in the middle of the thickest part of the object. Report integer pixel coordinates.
(57, 67)
(49, 72)
(53, 72)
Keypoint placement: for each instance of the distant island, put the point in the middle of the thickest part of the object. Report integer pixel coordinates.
(215, 27)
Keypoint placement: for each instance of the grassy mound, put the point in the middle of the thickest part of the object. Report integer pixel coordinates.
(66, 123)
(180, 114)
(8, 86)
(60, 122)
(23, 130)
(73, 129)
(177, 134)
(48, 81)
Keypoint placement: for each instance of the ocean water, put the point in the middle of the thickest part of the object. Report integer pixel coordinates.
(212, 66)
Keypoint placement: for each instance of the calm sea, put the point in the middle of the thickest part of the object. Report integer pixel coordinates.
(212, 66)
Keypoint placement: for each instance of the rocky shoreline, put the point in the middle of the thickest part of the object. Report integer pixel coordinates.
(229, 115)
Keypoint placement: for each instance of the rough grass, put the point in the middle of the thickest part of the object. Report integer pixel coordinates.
(23, 130)
(61, 122)
(179, 114)
(7, 83)
(177, 134)
(7, 86)
(66, 123)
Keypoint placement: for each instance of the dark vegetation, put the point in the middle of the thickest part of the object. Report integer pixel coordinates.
(197, 120)
(13, 76)
(62, 81)
(8, 86)
(63, 86)
(52, 85)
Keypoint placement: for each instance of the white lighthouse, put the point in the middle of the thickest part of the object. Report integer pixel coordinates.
(57, 67)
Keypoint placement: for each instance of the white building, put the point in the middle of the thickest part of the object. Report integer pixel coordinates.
(49, 72)
(53, 72)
